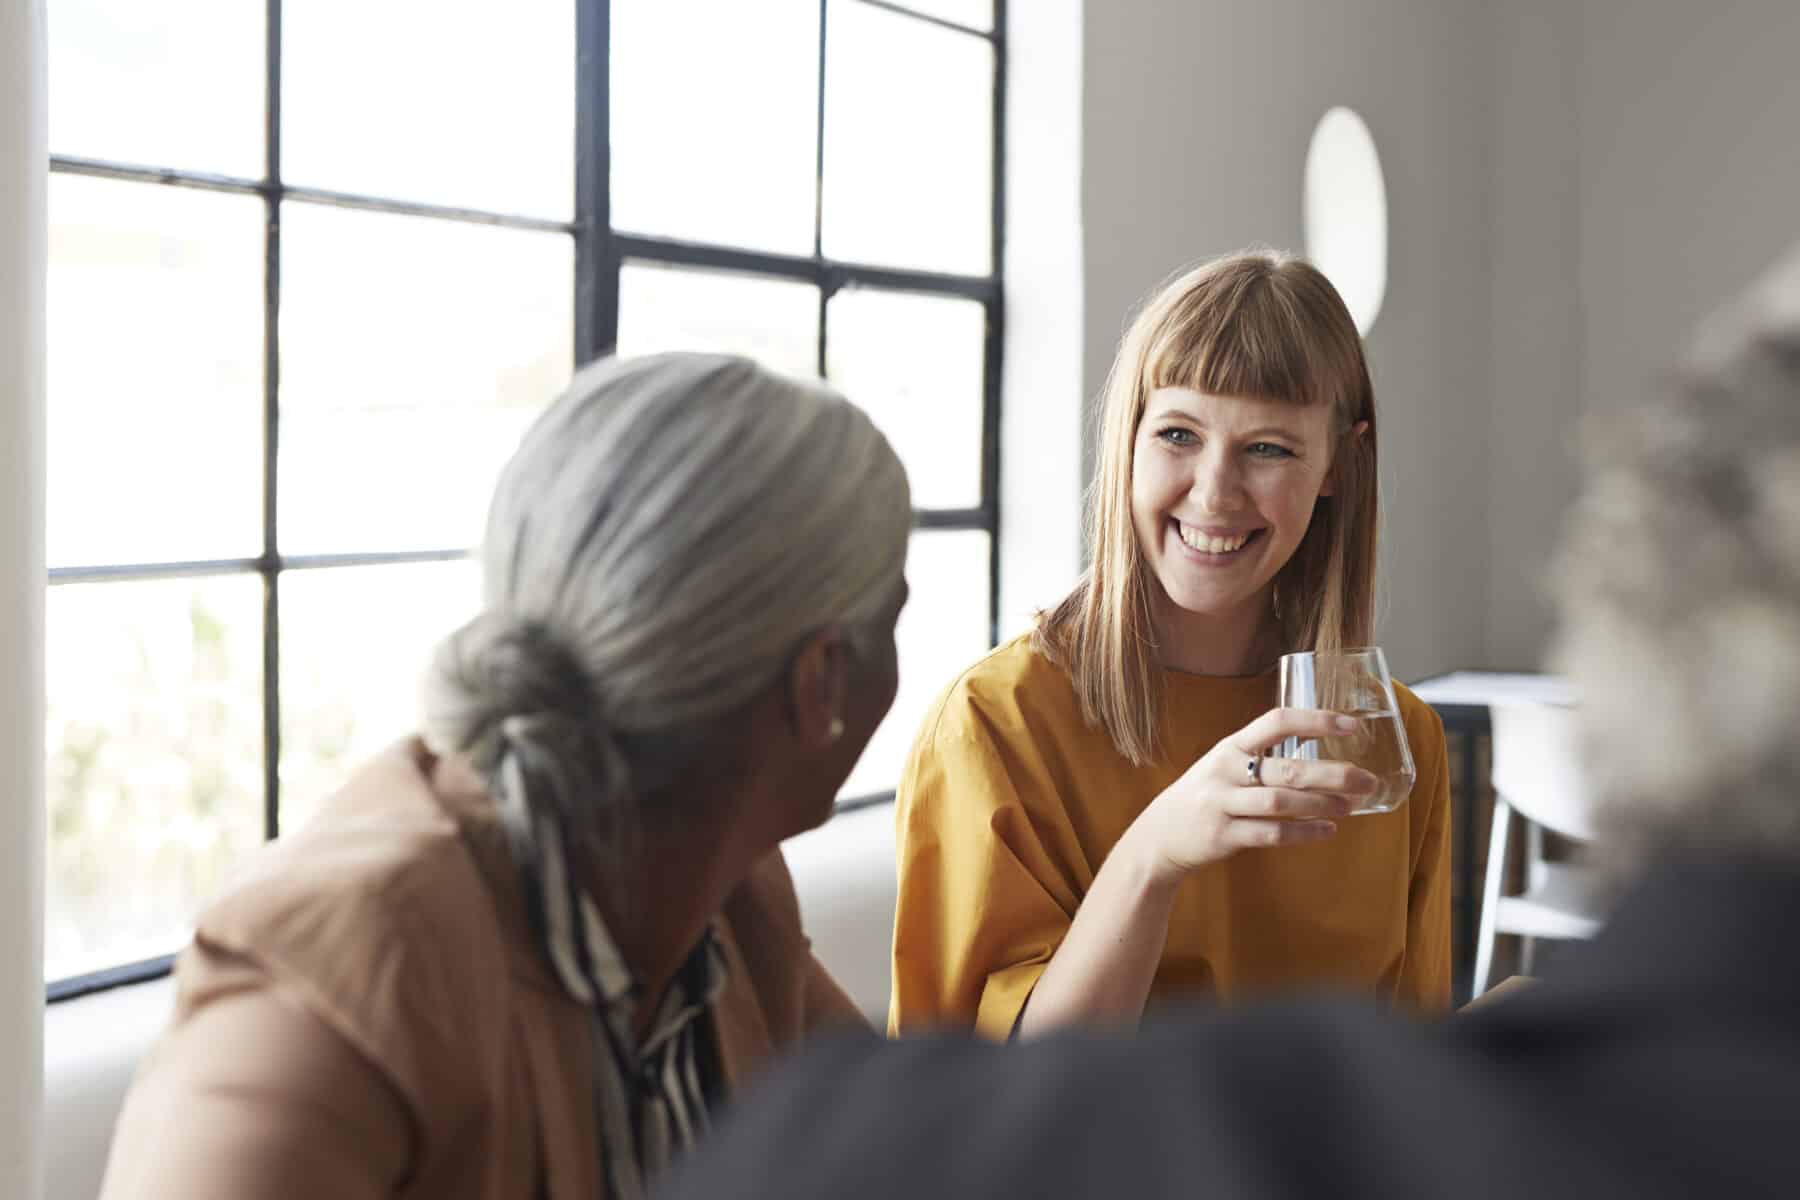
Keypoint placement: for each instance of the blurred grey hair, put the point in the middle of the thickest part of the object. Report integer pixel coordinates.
(1680, 585)
(662, 541)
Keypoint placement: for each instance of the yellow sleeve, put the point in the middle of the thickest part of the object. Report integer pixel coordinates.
(982, 903)
(1425, 974)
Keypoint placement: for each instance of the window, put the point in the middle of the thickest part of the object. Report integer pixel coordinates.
(314, 267)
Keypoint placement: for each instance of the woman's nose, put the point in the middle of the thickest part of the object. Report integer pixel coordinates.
(1217, 487)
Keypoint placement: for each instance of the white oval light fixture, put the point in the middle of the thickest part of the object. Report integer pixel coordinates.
(1346, 213)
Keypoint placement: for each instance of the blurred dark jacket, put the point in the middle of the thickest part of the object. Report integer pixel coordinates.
(1664, 1062)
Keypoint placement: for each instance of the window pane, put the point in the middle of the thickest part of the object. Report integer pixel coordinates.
(160, 83)
(715, 120)
(444, 101)
(976, 14)
(155, 371)
(908, 142)
(915, 364)
(154, 774)
(774, 321)
(943, 630)
(355, 642)
(414, 352)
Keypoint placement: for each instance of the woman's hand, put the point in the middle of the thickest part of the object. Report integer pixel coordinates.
(1103, 969)
(1219, 806)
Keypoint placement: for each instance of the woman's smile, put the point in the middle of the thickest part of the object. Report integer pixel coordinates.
(1212, 547)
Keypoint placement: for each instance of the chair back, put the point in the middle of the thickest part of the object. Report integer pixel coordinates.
(1538, 770)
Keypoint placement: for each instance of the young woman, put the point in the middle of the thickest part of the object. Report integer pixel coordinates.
(1085, 823)
(523, 955)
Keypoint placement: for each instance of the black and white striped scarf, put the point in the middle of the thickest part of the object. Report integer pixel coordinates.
(650, 1098)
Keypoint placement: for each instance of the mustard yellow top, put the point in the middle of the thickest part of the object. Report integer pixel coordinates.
(1010, 802)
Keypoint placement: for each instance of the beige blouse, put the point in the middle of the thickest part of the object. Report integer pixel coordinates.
(364, 1015)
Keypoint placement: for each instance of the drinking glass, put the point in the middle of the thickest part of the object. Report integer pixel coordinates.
(1356, 683)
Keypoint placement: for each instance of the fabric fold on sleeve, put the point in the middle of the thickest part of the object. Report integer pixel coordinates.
(984, 898)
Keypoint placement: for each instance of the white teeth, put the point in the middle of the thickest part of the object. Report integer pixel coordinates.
(1195, 540)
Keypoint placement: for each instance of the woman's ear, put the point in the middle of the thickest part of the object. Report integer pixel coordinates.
(818, 688)
(1356, 434)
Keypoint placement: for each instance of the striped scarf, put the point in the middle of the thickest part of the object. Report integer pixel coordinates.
(649, 1097)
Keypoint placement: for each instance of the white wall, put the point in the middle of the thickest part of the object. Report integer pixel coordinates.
(1690, 184)
(22, 164)
(1647, 166)
(1197, 120)
(1534, 180)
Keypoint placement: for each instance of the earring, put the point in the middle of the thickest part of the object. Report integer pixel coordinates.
(836, 729)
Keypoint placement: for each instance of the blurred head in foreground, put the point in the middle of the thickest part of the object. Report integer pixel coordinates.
(1680, 587)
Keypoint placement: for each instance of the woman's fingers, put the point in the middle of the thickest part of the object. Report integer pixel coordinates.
(1286, 804)
(1281, 723)
(1324, 775)
(1246, 833)
(1234, 798)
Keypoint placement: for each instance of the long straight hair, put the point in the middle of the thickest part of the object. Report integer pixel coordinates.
(1257, 324)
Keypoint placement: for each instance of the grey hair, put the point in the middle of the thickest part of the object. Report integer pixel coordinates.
(1680, 586)
(664, 538)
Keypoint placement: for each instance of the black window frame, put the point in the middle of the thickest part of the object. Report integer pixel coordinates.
(601, 253)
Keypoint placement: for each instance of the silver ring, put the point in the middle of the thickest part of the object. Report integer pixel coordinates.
(1254, 770)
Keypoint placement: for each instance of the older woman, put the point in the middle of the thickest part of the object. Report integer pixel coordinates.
(527, 953)
(1665, 1061)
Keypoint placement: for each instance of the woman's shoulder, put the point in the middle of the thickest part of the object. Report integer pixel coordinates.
(1013, 687)
(1420, 718)
(1424, 731)
(378, 889)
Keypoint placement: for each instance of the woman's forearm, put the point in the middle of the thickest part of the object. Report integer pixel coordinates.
(1101, 974)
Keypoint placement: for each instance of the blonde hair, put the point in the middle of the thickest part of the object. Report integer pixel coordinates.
(1259, 324)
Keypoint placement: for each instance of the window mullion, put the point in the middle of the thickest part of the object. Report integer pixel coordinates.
(819, 193)
(597, 258)
(996, 330)
(271, 556)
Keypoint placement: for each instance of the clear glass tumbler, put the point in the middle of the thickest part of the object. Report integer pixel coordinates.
(1356, 683)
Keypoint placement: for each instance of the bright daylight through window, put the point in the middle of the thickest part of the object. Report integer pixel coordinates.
(314, 267)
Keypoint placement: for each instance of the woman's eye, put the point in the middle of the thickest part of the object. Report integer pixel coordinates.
(1177, 436)
(1270, 450)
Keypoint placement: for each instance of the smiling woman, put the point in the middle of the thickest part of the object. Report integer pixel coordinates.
(1222, 493)
(1075, 808)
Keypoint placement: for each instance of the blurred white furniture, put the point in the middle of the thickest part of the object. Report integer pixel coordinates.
(843, 872)
(1489, 689)
(1463, 699)
(1538, 780)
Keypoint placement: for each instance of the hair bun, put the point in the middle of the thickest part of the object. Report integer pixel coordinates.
(497, 669)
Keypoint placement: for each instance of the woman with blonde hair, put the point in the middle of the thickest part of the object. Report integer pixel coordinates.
(527, 954)
(1086, 822)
